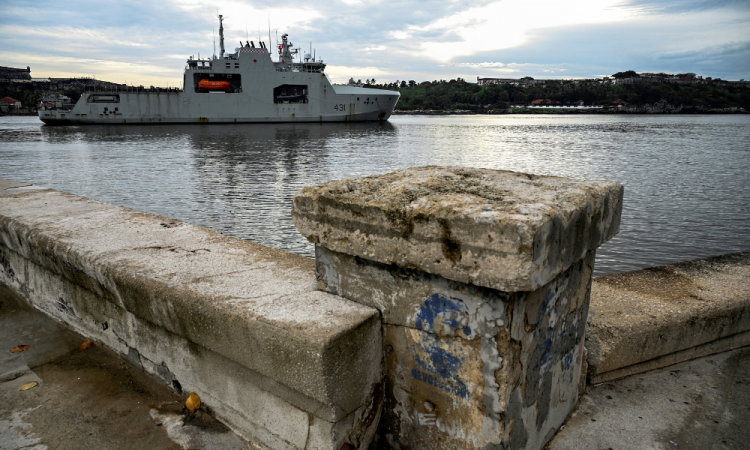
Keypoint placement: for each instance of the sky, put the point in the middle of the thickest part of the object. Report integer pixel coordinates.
(147, 42)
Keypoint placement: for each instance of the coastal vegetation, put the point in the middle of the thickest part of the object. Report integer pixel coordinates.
(459, 94)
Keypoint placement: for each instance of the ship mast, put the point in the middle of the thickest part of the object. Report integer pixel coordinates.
(221, 36)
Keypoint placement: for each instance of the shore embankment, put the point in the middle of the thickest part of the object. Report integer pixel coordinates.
(242, 325)
(658, 108)
(290, 366)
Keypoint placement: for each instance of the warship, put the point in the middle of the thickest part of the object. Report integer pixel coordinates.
(246, 86)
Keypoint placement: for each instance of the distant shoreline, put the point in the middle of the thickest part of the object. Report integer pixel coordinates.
(569, 112)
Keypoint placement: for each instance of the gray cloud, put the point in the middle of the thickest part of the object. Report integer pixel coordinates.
(669, 35)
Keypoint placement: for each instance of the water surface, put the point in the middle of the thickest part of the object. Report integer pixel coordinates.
(686, 177)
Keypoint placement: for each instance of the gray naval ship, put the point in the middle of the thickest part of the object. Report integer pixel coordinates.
(246, 86)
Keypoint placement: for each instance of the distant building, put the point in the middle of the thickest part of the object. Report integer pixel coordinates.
(8, 104)
(11, 73)
(489, 81)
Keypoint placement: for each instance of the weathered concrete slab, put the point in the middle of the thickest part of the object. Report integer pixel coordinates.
(241, 324)
(500, 229)
(483, 280)
(703, 404)
(654, 317)
(467, 366)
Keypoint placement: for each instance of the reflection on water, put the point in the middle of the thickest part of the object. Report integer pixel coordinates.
(685, 177)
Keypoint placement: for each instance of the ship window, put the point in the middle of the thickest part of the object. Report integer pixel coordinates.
(290, 93)
(236, 65)
(229, 65)
(104, 98)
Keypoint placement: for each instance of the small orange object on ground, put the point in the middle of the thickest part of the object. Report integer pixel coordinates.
(193, 402)
(28, 386)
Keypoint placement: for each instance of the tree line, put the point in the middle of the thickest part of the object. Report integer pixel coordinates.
(459, 94)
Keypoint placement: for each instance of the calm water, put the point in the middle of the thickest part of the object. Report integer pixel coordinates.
(687, 178)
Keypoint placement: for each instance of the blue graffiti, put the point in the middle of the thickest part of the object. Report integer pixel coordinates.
(435, 305)
(545, 333)
(440, 361)
(455, 389)
(568, 361)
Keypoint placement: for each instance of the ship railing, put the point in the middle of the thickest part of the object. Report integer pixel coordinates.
(299, 69)
(134, 89)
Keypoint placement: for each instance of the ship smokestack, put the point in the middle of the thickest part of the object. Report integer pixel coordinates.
(221, 35)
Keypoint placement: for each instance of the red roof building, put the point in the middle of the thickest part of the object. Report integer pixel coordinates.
(8, 104)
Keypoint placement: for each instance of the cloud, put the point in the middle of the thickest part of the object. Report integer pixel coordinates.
(482, 65)
(409, 39)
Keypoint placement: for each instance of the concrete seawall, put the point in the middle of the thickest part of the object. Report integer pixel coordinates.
(240, 324)
(651, 318)
(441, 311)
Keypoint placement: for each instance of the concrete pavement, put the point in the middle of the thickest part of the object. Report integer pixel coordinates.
(703, 404)
(88, 398)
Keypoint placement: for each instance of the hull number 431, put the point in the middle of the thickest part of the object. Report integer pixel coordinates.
(340, 107)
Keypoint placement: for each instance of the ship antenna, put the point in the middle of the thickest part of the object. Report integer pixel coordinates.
(221, 35)
(213, 30)
(269, 33)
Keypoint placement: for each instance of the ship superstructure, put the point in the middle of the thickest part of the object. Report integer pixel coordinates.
(246, 86)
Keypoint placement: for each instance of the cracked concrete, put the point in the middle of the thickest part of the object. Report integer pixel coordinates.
(482, 278)
(650, 318)
(88, 398)
(241, 324)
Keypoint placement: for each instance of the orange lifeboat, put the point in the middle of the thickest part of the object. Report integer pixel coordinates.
(208, 85)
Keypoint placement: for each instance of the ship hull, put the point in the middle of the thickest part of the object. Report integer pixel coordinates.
(258, 97)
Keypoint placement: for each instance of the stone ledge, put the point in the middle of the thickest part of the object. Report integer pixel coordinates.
(649, 318)
(490, 228)
(255, 306)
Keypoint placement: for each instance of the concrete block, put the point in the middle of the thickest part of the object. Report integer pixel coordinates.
(238, 323)
(650, 318)
(482, 279)
(467, 366)
(504, 230)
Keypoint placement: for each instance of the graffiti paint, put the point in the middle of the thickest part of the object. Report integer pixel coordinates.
(441, 360)
(458, 389)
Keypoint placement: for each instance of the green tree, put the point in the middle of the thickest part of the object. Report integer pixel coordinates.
(626, 74)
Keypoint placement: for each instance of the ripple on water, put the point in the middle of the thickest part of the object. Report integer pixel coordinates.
(686, 185)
